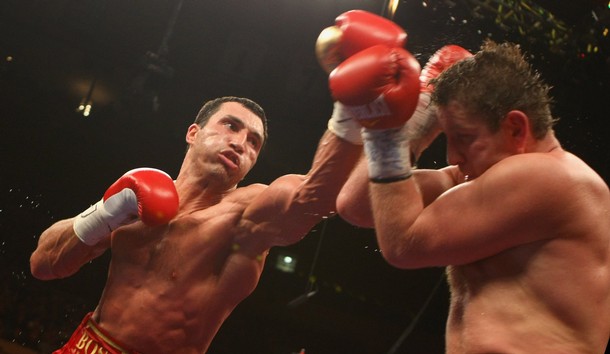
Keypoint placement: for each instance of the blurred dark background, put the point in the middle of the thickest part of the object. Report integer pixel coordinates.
(147, 66)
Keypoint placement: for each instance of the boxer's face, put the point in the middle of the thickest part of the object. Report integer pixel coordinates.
(471, 145)
(230, 141)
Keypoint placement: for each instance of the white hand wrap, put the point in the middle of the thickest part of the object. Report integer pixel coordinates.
(98, 221)
(387, 153)
(343, 125)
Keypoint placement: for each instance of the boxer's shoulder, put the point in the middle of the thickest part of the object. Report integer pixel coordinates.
(246, 192)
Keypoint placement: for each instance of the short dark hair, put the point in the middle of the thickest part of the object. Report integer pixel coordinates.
(212, 106)
(496, 80)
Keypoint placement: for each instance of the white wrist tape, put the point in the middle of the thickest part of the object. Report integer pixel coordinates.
(343, 125)
(98, 221)
(387, 153)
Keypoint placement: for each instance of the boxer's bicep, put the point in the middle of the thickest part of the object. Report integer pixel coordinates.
(293, 204)
(279, 215)
(510, 205)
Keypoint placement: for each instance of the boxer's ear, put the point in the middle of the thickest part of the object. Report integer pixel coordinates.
(191, 132)
(516, 128)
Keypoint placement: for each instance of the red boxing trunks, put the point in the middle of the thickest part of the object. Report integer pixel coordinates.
(88, 338)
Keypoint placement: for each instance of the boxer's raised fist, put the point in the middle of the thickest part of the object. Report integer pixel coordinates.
(354, 31)
(439, 62)
(423, 126)
(144, 193)
(379, 86)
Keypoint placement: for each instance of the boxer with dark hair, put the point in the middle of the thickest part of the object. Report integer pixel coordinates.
(185, 254)
(173, 281)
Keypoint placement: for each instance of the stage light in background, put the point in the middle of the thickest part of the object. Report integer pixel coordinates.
(286, 262)
(86, 103)
(84, 107)
(391, 7)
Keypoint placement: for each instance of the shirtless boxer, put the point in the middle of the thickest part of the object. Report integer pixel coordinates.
(522, 225)
(174, 279)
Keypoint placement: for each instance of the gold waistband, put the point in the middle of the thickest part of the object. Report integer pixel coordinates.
(91, 325)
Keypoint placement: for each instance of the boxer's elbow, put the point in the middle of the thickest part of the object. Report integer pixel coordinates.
(43, 267)
(356, 213)
(398, 260)
(39, 267)
(405, 252)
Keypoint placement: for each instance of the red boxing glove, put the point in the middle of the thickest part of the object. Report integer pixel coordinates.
(379, 86)
(146, 193)
(439, 61)
(354, 31)
(423, 126)
(155, 193)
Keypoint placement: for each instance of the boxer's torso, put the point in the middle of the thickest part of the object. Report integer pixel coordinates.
(170, 288)
(547, 296)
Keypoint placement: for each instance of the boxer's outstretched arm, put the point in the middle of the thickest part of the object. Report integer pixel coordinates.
(291, 205)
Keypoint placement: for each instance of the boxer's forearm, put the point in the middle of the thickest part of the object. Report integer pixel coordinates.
(60, 253)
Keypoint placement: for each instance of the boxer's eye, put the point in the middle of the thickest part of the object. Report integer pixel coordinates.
(231, 126)
(465, 138)
(254, 142)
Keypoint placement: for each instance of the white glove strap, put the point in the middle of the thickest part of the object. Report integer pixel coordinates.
(99, 220)
(387, 153)
(343, 125)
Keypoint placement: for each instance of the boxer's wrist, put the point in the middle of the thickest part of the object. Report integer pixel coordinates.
(90, 225)
(388, 154)
(344, 126)
(98, 221)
